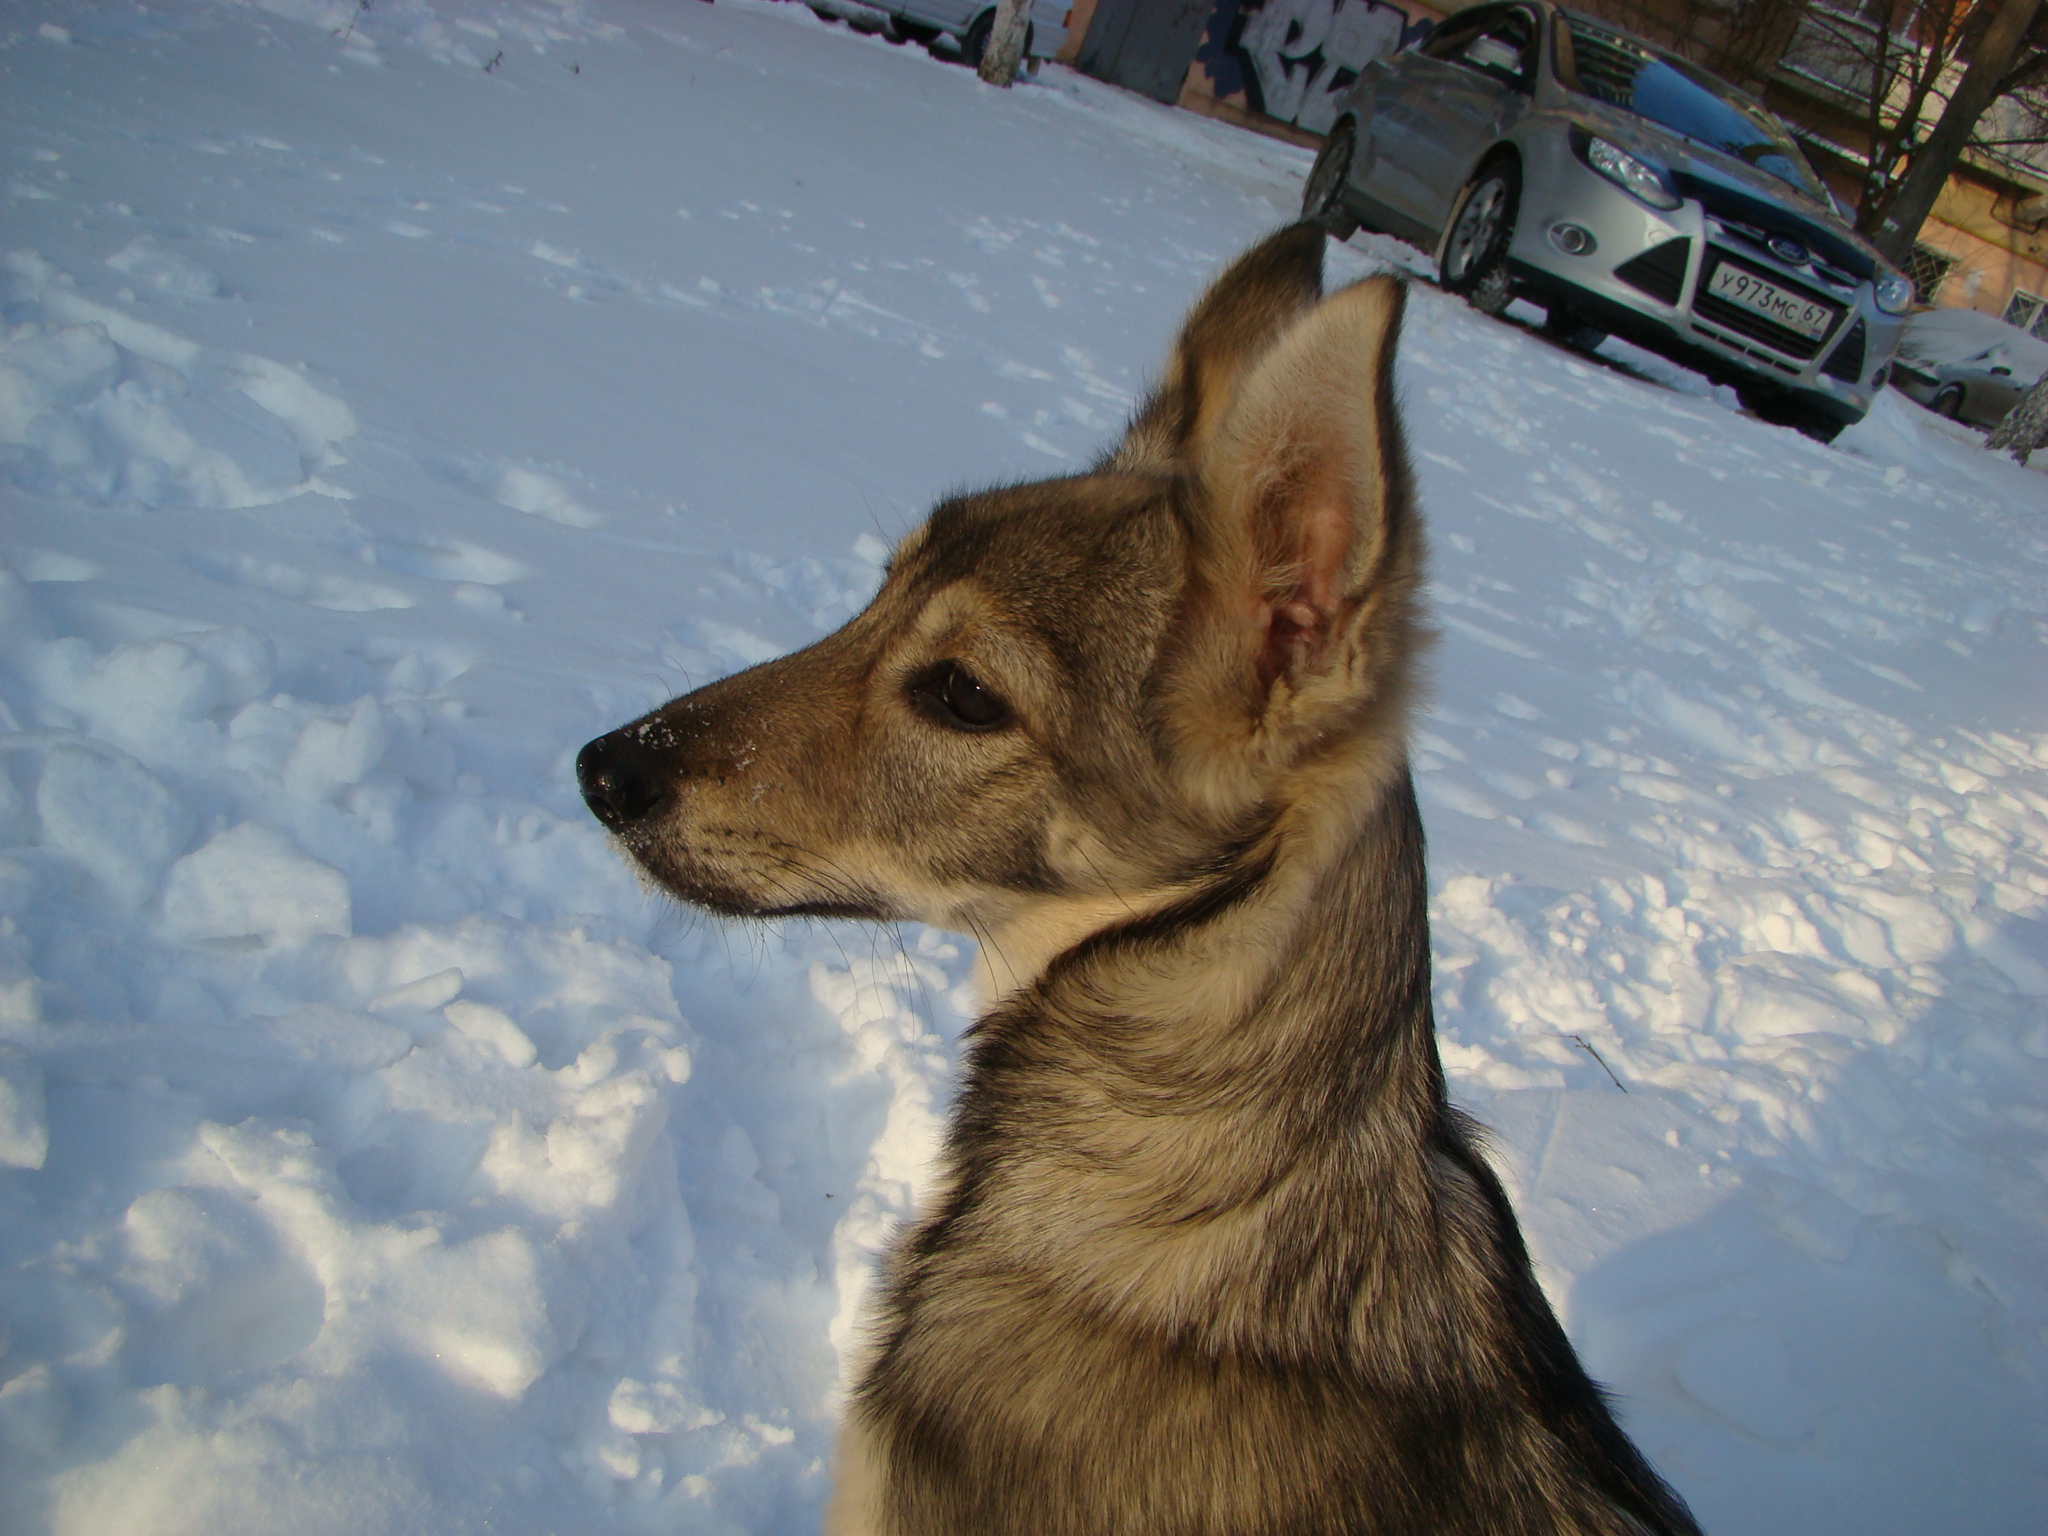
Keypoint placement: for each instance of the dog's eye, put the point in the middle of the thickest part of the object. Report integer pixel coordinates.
(955, 697)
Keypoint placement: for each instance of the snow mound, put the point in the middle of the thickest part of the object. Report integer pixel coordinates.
(98, 405)
(376, 1155)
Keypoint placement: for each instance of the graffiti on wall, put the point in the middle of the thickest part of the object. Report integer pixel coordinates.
(1295, 59)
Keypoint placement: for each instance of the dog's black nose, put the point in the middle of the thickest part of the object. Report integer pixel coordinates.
(621, 781)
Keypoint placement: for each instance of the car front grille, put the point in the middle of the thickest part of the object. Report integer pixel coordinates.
(1846, 363)
(1659, 271)
(1759, 239)
(1747, 322)
(1766, 217)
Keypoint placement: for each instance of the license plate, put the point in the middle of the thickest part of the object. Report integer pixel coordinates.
(1769, 300)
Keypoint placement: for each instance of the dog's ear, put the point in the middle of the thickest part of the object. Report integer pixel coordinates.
(1258, 296)
(1299, 623)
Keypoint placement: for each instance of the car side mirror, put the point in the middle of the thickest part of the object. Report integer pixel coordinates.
(2002, 371)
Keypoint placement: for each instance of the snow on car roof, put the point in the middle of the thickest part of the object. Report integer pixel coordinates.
(1939, 337)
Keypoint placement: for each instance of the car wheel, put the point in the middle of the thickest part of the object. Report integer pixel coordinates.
(1322, 200)
(974, 41)
(1948, 401)
(1782, 408)
(1821, 428)
(1563, 325)
(1474, 264)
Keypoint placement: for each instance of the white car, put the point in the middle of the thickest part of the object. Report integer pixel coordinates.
(1966, 366)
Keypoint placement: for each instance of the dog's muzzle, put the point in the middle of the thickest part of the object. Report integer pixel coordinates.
(621, 779)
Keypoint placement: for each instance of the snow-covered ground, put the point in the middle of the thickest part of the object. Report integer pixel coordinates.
(393, 397)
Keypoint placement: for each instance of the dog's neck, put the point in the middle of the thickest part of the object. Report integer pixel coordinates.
(1234, 1091)
(1330, 805)
(1016, 948)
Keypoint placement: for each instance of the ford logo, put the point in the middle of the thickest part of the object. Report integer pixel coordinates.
(1788, 250)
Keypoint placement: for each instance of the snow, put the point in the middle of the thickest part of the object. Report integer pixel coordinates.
(377, 1155)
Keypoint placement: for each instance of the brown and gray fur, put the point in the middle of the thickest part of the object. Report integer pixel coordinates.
(1210, 1254)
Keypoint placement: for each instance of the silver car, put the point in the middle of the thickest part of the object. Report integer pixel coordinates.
(1542, 153)
(1966, 366)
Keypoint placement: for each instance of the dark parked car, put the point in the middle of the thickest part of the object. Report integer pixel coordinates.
(1543, 153)
(965, 23)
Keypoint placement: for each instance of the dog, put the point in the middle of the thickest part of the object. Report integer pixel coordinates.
(1209, 1252)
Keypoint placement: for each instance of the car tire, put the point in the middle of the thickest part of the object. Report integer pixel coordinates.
(974, 41)
(1564, 326)
(1322, 199)
(1948, 401)
(1783, 408)
(1819, 427)
(1474, 260)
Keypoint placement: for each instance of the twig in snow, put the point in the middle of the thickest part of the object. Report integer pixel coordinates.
(361, 7)
(1587, 1046)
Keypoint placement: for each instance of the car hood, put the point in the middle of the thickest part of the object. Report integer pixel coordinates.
(1731, 186)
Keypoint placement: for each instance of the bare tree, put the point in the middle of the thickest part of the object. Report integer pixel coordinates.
(1924, 77)
(1994, 37)
(2025, 426)
(1005, 46)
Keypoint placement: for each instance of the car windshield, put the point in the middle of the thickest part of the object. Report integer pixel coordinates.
(1674, 95)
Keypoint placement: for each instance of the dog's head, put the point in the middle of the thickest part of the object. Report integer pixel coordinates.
(1087, 689)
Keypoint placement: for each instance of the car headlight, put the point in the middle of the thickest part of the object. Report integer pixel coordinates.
(1640, 181)
(1894, 292)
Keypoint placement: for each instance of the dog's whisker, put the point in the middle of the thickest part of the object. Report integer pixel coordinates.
(986, 938)
(1106, 883)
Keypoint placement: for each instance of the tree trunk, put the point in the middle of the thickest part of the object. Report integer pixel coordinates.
(1934, 160)
(2025, 426)
(1006, 42)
